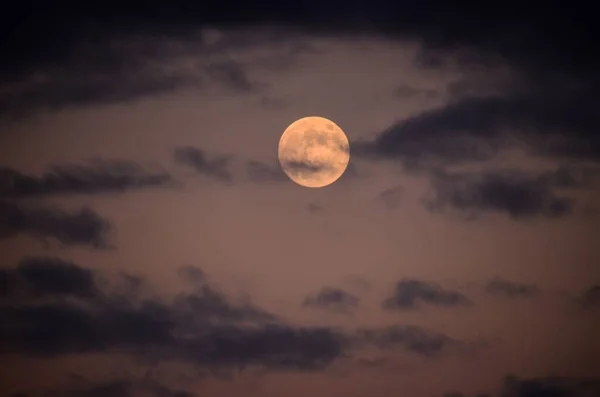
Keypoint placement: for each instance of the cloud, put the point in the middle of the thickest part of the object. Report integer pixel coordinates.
(48, 276)
(513, 386)
(91, 178)
(501, 287)
(84, 227)
(314, 208)
(231, 73)
(414, 339)
(391, 196)
(410, 294)
(199, 161)
(92, 59)
(126, 64)
(304, 167)
(516, 194)
(193, 274)
(122, 387)
(104, 69)
(203, 327)
(590, 298)
(477, 128)
(539, 387)
(332, 298)
(258, 171)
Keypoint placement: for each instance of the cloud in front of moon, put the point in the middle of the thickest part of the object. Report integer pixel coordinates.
(314, 152)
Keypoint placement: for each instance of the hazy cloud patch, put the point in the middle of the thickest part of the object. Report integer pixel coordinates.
(516, 194)
(500, 287)
(332, 298)
(216, 166)
(94, 177)
(258, 171)
(590, 298)
(83, 227)
(392, 196)
(203, 327)
(412, 294)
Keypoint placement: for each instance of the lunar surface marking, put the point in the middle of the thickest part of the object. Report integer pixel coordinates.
(314, 152)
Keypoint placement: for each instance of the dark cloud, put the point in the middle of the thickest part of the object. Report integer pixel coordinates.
(303, 167)
(410, 294)
(232, 74)
(332, 298)
(123, 387)
(516, 194)
(414, 339)
(501, 287)
(216, 167)
(81, 45)
(391, 196)
(261, 172)
(83, 227)
(590, 299)
(543, 387)
(47, 276)
(405, 92)
(74, 88)
(476, 128)
(377, 362)
(93, 71)
(314, 208)
(513, 386)
(95, 177)
(193, 274)
(203, 327)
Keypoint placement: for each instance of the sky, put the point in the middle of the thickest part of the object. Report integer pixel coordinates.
(152, 246)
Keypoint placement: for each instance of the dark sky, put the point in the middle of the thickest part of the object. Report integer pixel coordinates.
(152, 245)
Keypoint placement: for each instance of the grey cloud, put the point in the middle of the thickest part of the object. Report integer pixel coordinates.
(83, 227)
(314, 208)
(392, 196)
(410, 294)
(590, 298)
(513, 193)
(203, 327)
(513, 386)
(551, 386)
(232, 74)
(406, 91)
(97, 71)
(262, 172)
(121, 387)
(114, 67)
(500, 287)
(534, 47)
(212, 166)
(88, 178)
(560, 124)
(192, 274)
(414, 339)
(332, 298)
(47, 276)
(302, 167)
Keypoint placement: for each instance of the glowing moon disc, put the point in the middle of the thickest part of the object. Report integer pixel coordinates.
(314, 151)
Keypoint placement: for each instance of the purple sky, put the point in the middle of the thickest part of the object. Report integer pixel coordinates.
(152, 246)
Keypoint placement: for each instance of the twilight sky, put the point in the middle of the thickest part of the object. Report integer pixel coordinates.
(152, 246)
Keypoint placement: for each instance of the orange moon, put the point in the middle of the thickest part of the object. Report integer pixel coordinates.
(314, 152)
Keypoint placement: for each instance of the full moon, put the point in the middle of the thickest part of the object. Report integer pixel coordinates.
(314, 152)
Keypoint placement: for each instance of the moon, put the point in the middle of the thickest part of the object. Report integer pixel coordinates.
(314, 152)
